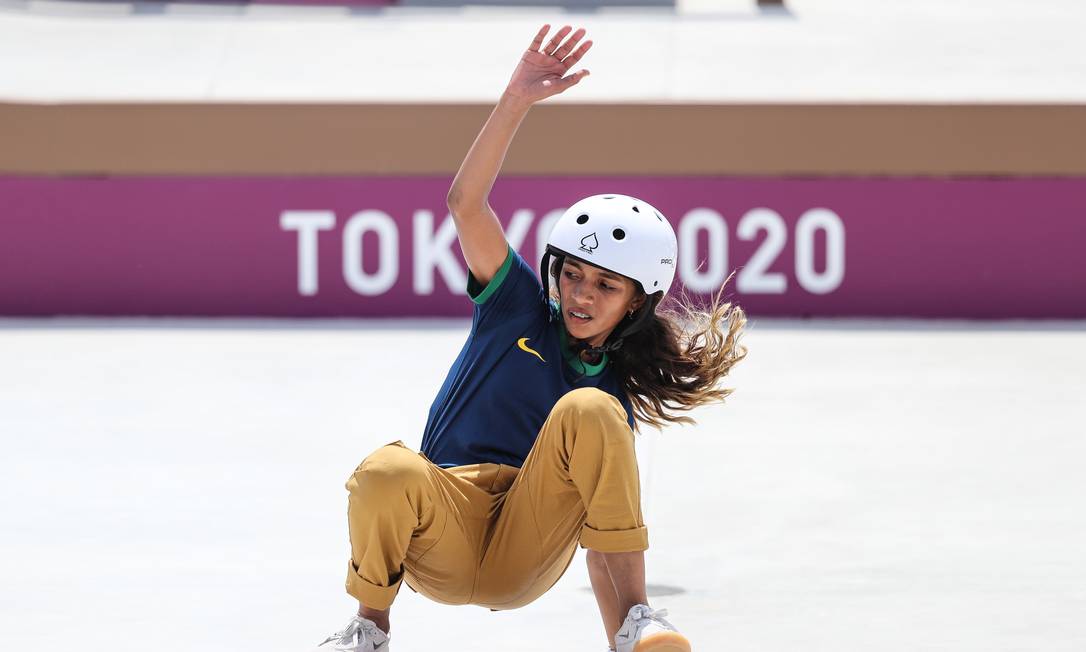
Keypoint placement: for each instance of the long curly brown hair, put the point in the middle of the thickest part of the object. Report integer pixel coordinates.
(677, 362)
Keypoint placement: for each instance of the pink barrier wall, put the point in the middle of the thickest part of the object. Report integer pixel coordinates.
(982, 248)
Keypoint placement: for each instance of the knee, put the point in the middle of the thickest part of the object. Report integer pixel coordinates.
(589, 403)
(389, 470)
(593, 417)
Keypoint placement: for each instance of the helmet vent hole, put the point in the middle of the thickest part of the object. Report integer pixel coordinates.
(636, 209)
(619, 234)
(581, 219)
(659, 216)
(655, 283)
(609, 197)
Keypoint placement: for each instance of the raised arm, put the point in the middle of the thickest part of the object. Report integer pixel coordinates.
(540, 74)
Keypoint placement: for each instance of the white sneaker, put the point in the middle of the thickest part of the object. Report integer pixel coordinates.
(360, 635)
(645, 630)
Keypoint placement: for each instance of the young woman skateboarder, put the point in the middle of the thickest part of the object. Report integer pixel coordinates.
(528, 450)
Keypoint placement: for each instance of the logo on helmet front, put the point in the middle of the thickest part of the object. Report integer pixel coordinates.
(589, 243)
(667, 261)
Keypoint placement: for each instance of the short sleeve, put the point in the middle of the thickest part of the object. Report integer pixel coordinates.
(515, 290)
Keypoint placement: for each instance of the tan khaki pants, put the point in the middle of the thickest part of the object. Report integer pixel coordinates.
(490, 534)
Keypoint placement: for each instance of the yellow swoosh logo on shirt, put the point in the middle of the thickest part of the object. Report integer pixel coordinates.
(524, 347)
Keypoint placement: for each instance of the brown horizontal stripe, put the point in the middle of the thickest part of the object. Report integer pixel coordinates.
(578, 139)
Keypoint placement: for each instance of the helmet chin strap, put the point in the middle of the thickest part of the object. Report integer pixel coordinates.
(636, 321)
(592, 351)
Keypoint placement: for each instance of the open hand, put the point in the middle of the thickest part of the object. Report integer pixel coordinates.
(540, 72)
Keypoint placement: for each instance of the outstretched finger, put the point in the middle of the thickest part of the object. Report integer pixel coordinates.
(570, 80)
(572, 59)
(554, 42)
(538, 40)
(570, 43)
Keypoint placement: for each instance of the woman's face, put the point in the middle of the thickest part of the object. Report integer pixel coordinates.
(594, 300)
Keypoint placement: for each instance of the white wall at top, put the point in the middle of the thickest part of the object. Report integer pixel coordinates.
(702, 51)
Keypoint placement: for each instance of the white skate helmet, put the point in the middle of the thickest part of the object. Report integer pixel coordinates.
(621, 234)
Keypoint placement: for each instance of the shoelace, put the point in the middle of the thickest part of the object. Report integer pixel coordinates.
(649, 614)
(371, 631)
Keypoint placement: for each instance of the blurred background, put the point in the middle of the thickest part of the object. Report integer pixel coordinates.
(227, 274)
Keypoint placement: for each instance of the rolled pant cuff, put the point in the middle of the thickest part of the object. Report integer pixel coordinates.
(371, 595)
(634, 540)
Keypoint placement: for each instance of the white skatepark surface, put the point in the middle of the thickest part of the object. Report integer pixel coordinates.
(698, 51)
(176, 485)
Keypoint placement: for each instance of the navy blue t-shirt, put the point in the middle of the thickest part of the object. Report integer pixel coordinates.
(512, 370)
